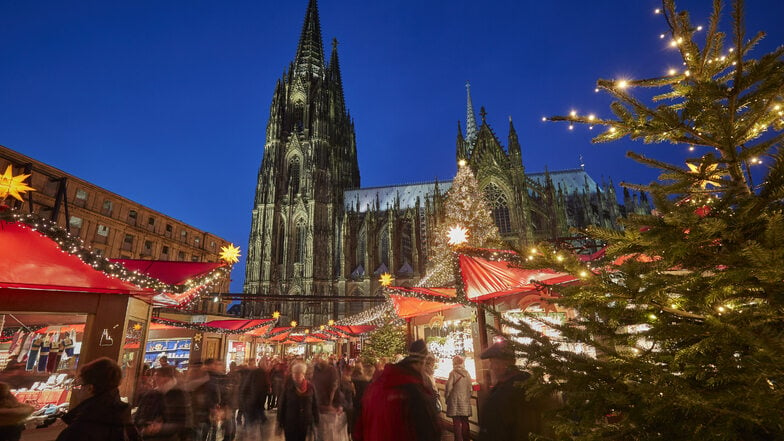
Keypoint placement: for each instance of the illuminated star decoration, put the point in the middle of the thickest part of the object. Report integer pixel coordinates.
(276, 314)
(137, 327)
(458, 235)
(11, 185)
(707, 174)
(385, 279)
(293, 323)
(230, 254)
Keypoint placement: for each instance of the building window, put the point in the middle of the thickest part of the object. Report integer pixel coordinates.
(107, 207)
(197, 242)
(181, 256)
(81, 198)
(101, 234)
(294, 177)
(75, 225)
(132, 216)
(406, 242)
(184, 236)
(299, 247)
(127, 244)
(499, 207)
(169, 230)
(195, 258)
(147, 250)
(383, 246)
(151, 223)
(165, 251)
(51, 187)
(212, 244)
(361, 247)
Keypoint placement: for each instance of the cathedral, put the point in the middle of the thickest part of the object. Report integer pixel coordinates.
(316, 233)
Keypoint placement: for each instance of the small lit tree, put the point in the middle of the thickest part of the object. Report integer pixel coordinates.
(386, 341)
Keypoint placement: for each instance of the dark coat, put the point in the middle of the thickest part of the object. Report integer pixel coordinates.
(297, 413)
(253, 394)
(101, 417)
(172, 409)
(507, 415)
(398, 406)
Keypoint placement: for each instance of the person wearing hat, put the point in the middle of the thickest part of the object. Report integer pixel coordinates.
(399, 405)
(507, 414)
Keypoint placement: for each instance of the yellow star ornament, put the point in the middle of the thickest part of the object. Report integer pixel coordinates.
(458, 235)
(706, 174)
(230, 254)
(385, 279)
(11, 185)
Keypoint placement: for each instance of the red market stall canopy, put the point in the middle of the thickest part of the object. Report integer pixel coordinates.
(195, 276)
(231, 326)
(354, 330)
(483, 275)
(29, 260)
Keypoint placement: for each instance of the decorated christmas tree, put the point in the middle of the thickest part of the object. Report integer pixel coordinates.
(387, 341)
(466, 221)
(685, 318)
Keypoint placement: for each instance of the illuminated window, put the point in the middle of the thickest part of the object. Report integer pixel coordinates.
(294, 177)
(499, 206)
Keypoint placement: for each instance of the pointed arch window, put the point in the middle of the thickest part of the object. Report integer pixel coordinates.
(499, 206)
(361, 247)
(294, 177)
(299, 248)
(406, 242)
(383, 246)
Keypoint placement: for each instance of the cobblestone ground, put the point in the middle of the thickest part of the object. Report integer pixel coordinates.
(267, 432)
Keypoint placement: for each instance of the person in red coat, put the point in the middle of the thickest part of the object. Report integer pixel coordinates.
(399, 405)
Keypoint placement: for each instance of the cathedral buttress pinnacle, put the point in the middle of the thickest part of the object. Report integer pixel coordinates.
(470, 119)
(310, 50)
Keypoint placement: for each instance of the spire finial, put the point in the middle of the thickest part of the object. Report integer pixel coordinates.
(334, 43)
(470, 118)
(310, 50)
(483, 114)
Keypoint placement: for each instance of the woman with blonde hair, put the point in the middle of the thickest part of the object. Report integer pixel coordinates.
(458, 398)
(298, 411)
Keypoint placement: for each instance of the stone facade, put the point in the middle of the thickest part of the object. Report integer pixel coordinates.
(314, 231)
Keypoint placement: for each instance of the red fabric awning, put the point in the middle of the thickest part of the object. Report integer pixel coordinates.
(280, 334)
(356, 329)
(486, 279)
(30, 260)
(168, 272)
(409, 306)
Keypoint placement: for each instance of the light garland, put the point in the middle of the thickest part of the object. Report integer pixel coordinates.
(203, 328)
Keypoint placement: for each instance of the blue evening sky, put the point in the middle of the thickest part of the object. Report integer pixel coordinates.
(165, 102)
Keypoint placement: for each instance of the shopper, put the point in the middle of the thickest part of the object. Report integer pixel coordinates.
(458, 398)
(297, 409)
(398, 405)
(332, 418)
(507, 414)
(164, 413)
(12, 414)
(252, 395)
(101, 416)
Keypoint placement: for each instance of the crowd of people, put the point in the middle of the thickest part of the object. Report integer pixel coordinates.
(325, 399)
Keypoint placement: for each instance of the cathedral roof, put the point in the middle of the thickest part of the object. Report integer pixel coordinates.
(405, 195)
(569, 180)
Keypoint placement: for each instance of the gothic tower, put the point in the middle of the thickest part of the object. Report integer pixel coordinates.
(309, 159)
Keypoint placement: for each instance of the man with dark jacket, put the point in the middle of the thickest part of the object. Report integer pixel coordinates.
(507, 414)
(101, 416)
(399, 405)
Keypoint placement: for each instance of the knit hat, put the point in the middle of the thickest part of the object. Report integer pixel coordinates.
(417, 351)
(500, 350)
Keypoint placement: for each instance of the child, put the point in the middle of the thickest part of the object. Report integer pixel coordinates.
(12, 414)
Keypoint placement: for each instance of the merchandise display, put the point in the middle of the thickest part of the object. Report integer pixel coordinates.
(176, 350)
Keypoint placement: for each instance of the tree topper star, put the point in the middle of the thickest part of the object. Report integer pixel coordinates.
(706, 174)
(230, 254)
(458, 235)
(11, 185)
(385, 279)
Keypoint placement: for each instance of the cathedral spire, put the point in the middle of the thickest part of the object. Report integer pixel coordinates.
(516, 156)
(470, 117)
(334, 70)
(310, 50)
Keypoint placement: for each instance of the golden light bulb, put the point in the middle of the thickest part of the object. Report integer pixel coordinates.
(623, 84)
(544, 118)
(457, 235)
(573, 113)
(559, 258)
(461, 163)
(591, 117)
(293, 323)
(672, 71)
(661, 36)
(699, 28)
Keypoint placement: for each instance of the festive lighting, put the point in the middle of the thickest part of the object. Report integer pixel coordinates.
(461, 163)
(230, 254)
(293, 323)
(13, 186)
(457, 235)
(385, 279)
(331, 322)
(622, 84)
(712, 176)
(276, 315)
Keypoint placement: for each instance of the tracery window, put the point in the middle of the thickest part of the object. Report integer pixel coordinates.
(383, 246)
(293, 177)
(299, 248)
(361, 247)
(406, 242)
(499, 206)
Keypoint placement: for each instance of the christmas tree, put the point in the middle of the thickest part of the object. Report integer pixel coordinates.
(466, 221)
(686, 316)
(386, 341)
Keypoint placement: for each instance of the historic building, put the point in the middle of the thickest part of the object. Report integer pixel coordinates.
(315, 232)
(109, 224)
